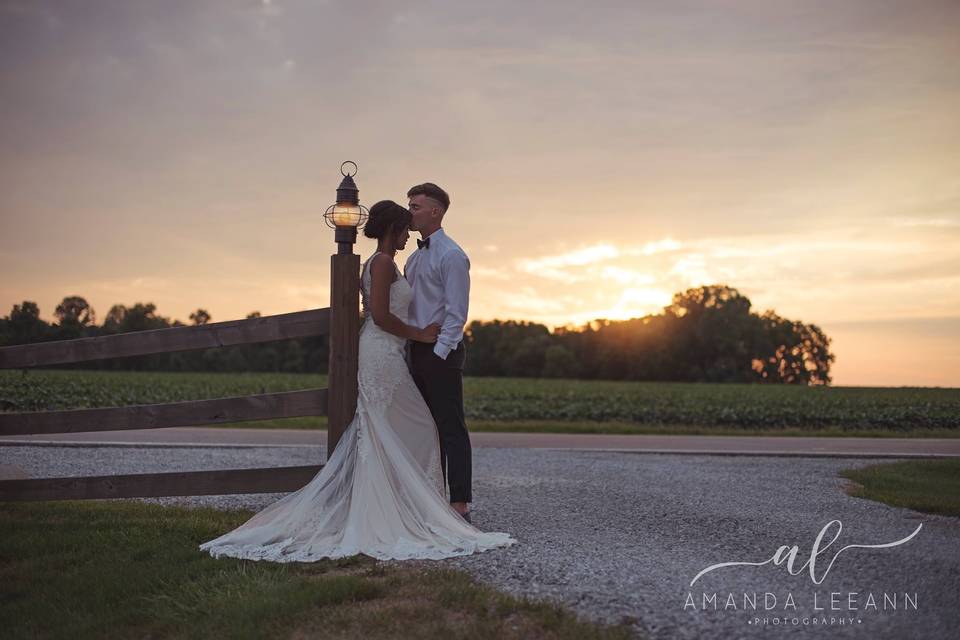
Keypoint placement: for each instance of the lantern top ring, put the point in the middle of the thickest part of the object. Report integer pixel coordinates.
(345, 169)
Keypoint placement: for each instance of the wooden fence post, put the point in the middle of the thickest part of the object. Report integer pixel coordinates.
(344, 342)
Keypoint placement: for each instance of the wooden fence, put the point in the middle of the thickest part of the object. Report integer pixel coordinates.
(338, 401)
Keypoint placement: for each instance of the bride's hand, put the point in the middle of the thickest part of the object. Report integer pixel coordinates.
(428, 334)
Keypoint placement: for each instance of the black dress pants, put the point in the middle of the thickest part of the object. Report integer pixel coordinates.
(441, 384)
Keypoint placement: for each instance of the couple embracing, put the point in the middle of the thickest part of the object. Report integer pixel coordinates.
(383, 492)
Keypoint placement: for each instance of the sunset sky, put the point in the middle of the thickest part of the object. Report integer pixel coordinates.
(599, 156)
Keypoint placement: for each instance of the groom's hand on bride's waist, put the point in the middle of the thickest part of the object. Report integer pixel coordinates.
(428, 334)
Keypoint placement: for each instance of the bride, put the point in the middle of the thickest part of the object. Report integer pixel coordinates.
(381, 493)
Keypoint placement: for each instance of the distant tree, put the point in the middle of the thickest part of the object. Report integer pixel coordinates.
(76, 318)
(528, 355)
(141, 317)
(481, 339)
(507, 348)
(200, 316)
(559, 362)
(792, 352)
(266, 358)
(213, 359)
(234, 359)
(115, 318)
(707, 334)
(26, 314)
(712, 334)
(24, 324)
(75, 310)
(318, 353)
(294, 359)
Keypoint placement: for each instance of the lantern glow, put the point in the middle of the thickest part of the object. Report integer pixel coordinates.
(347, 214)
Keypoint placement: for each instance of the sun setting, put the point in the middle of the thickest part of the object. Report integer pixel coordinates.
(593, 174)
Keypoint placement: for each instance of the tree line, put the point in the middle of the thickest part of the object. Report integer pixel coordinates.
(75, 318)
(706, 334)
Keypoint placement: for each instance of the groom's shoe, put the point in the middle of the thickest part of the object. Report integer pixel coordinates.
(466, 516)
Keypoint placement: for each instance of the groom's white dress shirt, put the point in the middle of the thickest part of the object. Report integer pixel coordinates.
(440, 277)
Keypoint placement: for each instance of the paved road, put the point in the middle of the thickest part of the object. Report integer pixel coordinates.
(715, 445)
(619, 536)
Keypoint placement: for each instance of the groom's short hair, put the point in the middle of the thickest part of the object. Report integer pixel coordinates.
(431, 191)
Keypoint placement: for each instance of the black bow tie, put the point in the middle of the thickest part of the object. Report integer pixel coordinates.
(423, 244)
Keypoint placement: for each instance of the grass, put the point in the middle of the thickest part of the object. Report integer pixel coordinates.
(537, 405)
(126, 569)
(929, 486)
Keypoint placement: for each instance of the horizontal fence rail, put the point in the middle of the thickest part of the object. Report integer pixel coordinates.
(284, 404)
(300, 324)
(154, 485)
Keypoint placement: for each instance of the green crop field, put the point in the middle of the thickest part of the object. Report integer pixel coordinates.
(569, 405)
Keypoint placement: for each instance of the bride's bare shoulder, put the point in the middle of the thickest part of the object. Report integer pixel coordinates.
(382, 266)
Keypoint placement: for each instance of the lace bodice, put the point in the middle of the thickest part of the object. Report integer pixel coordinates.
(382, 362)
(401, 293)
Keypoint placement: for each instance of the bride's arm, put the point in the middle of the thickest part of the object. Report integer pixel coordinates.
(381, 277)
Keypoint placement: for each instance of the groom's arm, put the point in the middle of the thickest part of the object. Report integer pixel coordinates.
(455, 271)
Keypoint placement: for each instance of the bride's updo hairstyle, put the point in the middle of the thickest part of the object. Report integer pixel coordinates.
(386, 217)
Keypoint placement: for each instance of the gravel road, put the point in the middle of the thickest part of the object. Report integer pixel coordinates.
(620, 536)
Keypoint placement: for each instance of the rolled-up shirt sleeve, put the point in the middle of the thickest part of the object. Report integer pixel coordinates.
(455, 271)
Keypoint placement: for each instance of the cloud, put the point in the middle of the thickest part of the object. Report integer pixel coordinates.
(489, 272)
(855, 272)
(143, 286)
(577, 257)
(655, 246)
(927, 222)
(528, 302)
(270, 8)
(626, 276)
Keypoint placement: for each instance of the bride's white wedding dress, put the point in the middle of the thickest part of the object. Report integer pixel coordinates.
(381, 493)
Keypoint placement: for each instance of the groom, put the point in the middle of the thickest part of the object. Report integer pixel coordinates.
(439, 272)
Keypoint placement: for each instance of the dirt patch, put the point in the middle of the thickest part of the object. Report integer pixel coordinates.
(425, 602)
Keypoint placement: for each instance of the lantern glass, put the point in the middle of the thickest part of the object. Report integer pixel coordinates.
(346, 214)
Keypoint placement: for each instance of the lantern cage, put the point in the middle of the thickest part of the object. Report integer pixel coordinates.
(347, 212)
